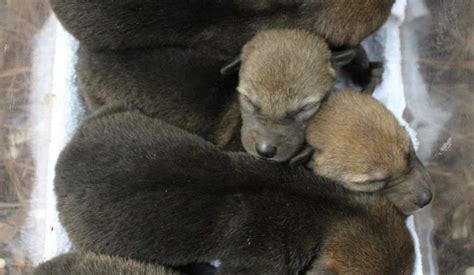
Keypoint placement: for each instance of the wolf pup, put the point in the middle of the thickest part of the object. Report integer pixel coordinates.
(284, 75)
(360, 144)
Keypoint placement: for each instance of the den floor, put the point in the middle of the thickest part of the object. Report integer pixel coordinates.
(440, 107)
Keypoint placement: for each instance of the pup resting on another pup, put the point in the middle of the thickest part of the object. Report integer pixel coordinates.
(358, 142)
(284, 74)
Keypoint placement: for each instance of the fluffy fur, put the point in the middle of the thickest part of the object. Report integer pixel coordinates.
(359, 143)
(283, 77)
(179, 86)
(166, 55)
(94, 264)
(128, 184)
(357, 139)
(139, 188)
(219, 28)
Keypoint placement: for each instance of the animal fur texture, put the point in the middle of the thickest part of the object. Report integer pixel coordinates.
(136, 187)
(180, 86)
(219, 28)
(168, 53)
(93, 264)
(185, 88)
(359, 143)
(283, 78)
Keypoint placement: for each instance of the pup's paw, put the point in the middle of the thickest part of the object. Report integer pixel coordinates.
(303, 157)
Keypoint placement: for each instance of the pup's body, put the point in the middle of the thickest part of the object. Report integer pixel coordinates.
(219, 28)
(136, 187)
(284, 76)
(179, 86)
(94, 264)
(185, 88)
(176, 48)
(359, 143)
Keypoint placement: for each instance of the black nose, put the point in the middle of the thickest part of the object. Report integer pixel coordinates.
(265, 150)
(423, 198)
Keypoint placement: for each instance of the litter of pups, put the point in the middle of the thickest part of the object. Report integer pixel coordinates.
(269, 170)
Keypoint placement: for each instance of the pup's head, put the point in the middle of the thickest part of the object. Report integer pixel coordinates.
(284, 74)
(360, 144)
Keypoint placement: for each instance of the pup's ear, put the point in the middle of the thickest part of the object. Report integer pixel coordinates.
(232, 67)
(342, 58)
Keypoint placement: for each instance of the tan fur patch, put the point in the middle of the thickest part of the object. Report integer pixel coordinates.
(282, 67)
(349, 23)
(358, 138)
(374, 243)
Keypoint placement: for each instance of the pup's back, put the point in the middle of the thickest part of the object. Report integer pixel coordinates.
(378, 243)
(90, 263)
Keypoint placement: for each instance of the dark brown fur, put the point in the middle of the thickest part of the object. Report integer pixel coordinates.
(139, 188)
(180, 86)
(116, 183)
(219, 28)
(94, 264)
(174, 75)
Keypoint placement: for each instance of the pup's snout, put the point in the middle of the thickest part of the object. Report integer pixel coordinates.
(422, 185)
(266, 150)
(423, 197)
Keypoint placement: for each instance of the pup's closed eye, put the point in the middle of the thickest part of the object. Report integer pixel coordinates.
(248, 104)
(304, 113)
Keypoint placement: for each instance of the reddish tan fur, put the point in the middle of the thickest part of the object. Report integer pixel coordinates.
(358, 142)
(285, 66)
(284, 74)
(388, 238)
(341, 25)
(340, 22)
(358, 138)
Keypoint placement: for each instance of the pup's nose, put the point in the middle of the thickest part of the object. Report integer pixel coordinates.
(265, 150)
(423, 198)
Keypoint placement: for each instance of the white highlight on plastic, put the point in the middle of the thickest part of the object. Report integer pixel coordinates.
(52, 112)
(391, 93)
(61, 114)
(428, 120)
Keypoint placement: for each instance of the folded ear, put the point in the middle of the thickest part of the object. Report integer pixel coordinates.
(232, 67)
(342, 58)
